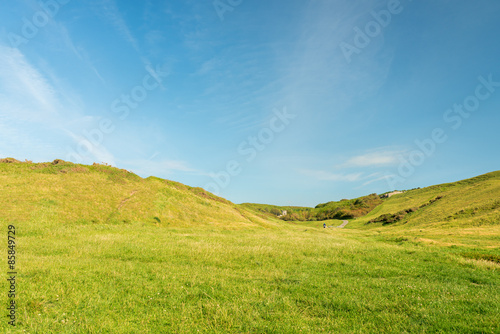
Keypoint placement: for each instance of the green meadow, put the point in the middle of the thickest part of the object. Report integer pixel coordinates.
(101, 250)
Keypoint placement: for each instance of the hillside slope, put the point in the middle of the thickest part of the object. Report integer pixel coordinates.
(65, 192)
(471, 202)
(458, 213)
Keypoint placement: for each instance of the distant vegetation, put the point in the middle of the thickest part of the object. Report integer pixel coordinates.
(344, 209)
(347, 209)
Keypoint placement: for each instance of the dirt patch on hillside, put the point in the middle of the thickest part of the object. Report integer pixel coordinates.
(124, 201)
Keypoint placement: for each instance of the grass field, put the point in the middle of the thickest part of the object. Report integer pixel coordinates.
(92, 258)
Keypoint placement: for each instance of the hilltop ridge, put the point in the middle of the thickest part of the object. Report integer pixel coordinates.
(94, 194)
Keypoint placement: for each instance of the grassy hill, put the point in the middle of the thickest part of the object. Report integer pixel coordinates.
(466, 211)
(101, 250)
(471, 202)
(63, 192)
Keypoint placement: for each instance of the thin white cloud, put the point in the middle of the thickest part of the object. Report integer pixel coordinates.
(319, 78)
(207, 67)
(29, 102)
(382, 178)
(376, 158)
(25, 92)
(328, 176)
(78, 51)
(113, 15)
(99, 152)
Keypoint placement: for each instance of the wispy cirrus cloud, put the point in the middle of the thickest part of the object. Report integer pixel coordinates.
(377, 179)
(114, 17)
(34, 94)
(29, 102)
(360, 168)
(99, 152)
(23, 85)
(77, 51)
(372, 161)
(321, 175)
(375, 158)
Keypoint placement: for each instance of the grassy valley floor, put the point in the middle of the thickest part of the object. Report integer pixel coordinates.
(288, 278)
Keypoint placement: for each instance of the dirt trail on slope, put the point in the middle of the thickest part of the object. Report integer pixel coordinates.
(344, 223)
(126, 199)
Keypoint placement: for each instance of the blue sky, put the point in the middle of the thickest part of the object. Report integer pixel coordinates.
(281, 102)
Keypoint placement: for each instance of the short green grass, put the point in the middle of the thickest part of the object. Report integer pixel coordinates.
(218, 268)
(143, 278)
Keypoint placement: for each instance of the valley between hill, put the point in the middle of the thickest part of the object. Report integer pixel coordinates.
(101, 250)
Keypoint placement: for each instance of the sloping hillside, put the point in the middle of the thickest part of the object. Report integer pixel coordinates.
(60, 192)
(471, 202)
(460, 213)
